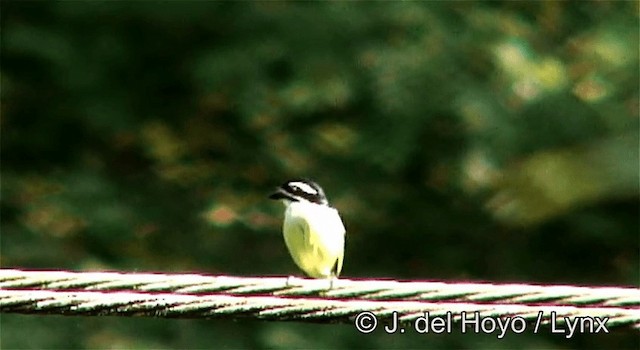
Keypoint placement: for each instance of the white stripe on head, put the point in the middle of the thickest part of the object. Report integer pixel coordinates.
(304, 186)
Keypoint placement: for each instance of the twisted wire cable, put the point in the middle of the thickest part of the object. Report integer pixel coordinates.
(286, 309)
(624, 297)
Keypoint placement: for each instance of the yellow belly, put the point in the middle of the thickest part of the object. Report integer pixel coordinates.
(316, 243)
(316, 261)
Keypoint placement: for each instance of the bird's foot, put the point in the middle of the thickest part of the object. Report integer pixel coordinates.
(332, 280)
(290, 281)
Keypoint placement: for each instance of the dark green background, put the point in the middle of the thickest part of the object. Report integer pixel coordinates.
(492, 141)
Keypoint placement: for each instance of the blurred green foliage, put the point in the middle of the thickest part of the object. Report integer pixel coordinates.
(460, 141)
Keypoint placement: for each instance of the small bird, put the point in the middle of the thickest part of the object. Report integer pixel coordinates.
(313, 231)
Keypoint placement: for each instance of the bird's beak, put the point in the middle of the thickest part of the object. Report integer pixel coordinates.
(279, 194)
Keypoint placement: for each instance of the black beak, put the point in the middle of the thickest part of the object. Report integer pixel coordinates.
(279, 194)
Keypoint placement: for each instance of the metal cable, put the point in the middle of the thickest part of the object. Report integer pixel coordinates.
(287, 309)
(342, 289)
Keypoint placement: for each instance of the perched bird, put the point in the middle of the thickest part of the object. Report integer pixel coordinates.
(313, 231)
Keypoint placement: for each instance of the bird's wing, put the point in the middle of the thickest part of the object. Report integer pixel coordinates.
(337, 268)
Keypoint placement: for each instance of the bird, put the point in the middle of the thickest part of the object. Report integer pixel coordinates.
(313, 230)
